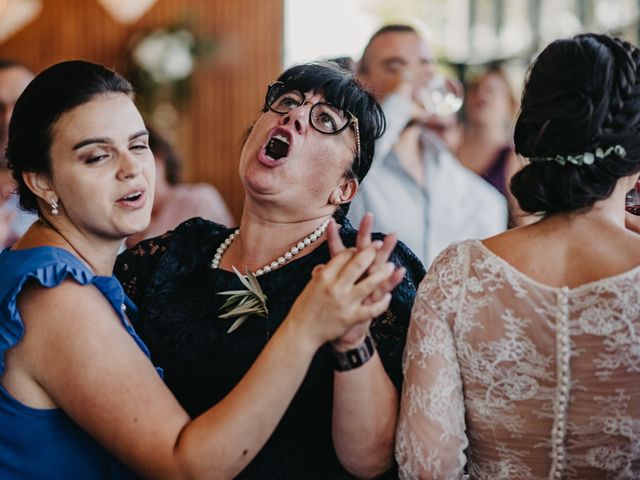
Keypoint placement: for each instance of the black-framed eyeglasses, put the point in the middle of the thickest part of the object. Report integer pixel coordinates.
(323, 116)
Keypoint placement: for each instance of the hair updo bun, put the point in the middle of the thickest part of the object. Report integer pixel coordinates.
(581, 94)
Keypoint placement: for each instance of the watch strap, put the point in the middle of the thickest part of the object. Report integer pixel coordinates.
(355, 357)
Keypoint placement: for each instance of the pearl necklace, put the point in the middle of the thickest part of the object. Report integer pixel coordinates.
(288, 255)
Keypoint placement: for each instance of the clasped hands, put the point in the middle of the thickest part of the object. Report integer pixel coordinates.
(389, 275)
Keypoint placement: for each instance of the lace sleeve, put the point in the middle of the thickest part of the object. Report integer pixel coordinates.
(431, 429)
(135, 266)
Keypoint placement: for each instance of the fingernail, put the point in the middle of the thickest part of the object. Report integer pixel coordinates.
(377, 243)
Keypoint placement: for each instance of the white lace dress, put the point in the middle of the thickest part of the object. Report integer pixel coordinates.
(538, 382)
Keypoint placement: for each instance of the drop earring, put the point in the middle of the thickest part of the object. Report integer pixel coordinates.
(54, 206)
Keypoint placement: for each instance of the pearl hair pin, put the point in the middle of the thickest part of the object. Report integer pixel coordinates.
(288, 255)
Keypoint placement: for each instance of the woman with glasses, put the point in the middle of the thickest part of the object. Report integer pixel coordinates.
(301, 165)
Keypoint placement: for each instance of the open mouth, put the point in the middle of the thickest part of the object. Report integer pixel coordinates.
(277, 147)
(132, 197)
(135, 199)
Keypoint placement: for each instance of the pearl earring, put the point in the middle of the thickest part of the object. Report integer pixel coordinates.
(54, 207)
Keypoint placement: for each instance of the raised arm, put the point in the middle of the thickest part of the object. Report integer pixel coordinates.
(365, 400)
(399, 109)
(76, 348)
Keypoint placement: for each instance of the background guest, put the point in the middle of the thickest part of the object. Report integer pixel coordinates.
(416, 188)
(14, 77)
(176, 202)
(486, 147)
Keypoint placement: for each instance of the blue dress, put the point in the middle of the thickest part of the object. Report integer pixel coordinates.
(46, 443)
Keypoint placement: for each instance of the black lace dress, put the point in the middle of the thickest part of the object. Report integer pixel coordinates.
(171, 282)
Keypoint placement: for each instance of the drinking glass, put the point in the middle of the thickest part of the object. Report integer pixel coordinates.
(442, 95)
(632, 201)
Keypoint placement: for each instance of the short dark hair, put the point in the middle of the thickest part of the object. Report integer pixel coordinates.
(581, 94)
(160, 146)
(341, 89)
(51, 93)
(393, 28)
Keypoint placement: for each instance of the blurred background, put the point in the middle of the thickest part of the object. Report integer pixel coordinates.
(201, 66)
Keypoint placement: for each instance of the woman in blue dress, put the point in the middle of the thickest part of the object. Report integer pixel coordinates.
(79, 397)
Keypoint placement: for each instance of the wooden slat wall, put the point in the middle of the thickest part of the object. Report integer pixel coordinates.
(228, 93)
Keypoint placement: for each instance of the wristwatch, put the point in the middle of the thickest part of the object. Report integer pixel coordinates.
(355, 357)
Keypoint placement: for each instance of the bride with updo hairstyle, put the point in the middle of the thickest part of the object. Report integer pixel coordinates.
(523, 353)
(575, 106)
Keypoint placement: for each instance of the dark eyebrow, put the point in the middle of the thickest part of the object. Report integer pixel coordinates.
(141, 133)
(89, 141)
